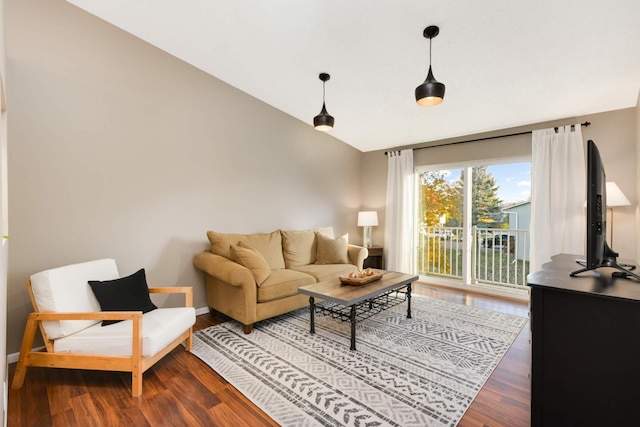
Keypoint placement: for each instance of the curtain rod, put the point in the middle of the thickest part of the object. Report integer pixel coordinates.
(585, 124)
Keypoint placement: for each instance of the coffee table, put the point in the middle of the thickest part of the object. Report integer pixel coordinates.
(356, 303)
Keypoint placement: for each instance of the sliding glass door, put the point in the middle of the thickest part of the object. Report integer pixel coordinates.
(472, 222)
(440, 226)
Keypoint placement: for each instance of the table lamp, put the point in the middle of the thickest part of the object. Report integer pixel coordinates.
(615, 197)
(367, 219)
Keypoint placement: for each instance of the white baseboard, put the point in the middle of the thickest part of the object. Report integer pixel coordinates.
(13, 357)
(202, 310)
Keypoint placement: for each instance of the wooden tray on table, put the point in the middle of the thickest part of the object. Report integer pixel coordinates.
(360, 280)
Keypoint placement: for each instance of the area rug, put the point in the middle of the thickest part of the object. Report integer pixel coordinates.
(423, 371)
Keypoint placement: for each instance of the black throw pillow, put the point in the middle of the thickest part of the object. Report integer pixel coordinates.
(129, 293)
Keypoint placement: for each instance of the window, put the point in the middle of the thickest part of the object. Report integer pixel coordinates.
(473, 222)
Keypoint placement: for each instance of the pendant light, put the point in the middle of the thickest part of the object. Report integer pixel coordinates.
(431, 92)
(323, 121)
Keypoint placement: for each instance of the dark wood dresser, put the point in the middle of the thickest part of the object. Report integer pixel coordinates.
(585, 347)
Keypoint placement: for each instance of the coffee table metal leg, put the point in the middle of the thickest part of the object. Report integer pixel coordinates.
(312, 311)
(409, 301)
(353, 327)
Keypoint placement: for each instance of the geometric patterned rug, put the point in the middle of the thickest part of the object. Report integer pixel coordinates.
(423, 371)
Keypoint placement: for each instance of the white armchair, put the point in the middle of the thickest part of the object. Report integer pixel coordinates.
(70, 320)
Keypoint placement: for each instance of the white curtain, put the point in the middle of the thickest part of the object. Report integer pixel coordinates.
(399, 235)
(558, 194)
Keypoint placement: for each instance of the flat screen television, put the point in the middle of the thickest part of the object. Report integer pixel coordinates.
(599, 254)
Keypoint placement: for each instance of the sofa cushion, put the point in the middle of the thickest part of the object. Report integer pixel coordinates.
(129, 293)
(283, 283)
(159, 328)
(252, 259)
(66, 289)
(332, 251)
(268, 244)
(326, 271)
(299, 246)
(327, 231)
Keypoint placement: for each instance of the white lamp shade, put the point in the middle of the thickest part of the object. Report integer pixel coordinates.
(615, 196)
(367, 219)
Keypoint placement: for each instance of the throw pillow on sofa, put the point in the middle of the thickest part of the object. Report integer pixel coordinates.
(299, 246)
(332, 251)
(268, 244)
(248, 256)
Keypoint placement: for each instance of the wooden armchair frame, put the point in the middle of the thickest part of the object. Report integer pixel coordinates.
(136, 363)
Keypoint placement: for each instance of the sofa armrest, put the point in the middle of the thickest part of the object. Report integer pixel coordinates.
(223, 269)
(357, 255)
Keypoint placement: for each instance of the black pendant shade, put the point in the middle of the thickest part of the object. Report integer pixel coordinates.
(431, 92)
(323, 121)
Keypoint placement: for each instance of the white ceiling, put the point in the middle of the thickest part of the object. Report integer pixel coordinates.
(505, 63)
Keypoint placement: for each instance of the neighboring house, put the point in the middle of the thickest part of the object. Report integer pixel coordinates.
(519, 217)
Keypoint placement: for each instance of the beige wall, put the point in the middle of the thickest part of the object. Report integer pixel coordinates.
(118, 149)
(637, 204)
(614, 132)
(4, 243)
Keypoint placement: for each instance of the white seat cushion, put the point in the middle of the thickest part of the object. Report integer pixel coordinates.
(66, 289)
(159, 328)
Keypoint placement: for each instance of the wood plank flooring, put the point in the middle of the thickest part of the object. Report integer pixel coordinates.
(181, 390)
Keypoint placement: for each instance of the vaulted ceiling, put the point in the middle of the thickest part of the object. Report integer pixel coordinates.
(504, 63)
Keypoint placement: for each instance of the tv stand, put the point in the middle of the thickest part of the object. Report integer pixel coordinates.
(610, 260)
(620, 274)
(584, 350)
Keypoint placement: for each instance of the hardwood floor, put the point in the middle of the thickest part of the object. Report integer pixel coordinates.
(181, 390)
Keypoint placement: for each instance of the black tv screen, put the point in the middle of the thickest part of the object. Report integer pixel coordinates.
(598, 252)
(596, 208)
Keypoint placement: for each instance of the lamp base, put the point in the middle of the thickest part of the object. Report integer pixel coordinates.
(366, 238)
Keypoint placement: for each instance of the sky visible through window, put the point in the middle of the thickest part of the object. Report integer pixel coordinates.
(513, 179)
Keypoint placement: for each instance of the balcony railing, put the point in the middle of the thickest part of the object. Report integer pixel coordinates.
(498, 256)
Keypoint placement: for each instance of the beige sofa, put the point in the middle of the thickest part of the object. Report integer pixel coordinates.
(252, 277)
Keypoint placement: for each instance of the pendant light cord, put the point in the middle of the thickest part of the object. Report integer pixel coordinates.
(323, 85)
(430, 49)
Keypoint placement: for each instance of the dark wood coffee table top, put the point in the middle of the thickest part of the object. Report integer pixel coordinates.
(347, 295)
